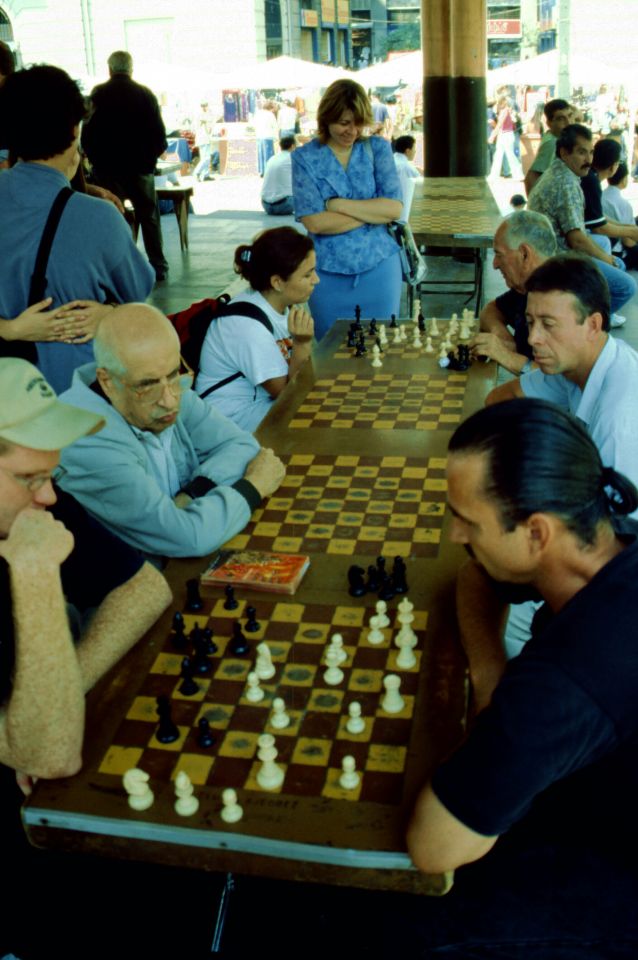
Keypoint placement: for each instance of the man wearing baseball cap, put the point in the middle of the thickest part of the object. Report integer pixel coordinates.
(52, 555)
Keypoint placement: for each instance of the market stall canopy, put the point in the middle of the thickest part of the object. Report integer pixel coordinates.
(405, 69)
(542, 71)
(281, 73)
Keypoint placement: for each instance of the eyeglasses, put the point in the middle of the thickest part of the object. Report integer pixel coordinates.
(32, 484)
(152, 392)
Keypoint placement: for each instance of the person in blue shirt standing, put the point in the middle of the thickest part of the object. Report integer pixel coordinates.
(346, 190)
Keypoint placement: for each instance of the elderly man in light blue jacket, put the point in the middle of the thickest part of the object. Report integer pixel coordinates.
(168, 473)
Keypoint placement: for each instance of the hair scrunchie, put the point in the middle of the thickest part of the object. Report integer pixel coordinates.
(246, 255)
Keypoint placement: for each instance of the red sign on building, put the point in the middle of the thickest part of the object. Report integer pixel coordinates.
(509, 29)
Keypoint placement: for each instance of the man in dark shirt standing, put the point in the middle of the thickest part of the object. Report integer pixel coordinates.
(123, 138)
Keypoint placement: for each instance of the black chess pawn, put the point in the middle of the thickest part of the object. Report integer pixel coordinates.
(252, 625)
(399, 578)
(393, 322)
(178, 637)
(357, 313)
(193, 598)
(356, 581)
(167, 731)
(205, 738)
(386, 589)
(372, 584)
(421, 323)
(381, 566)
(361, 349)
(238, 646)
(201, 662)
(195, 636)
(187, 687)
(211, 646)
(230, 603)
(379, 344)
(352, 336)
(373, 327)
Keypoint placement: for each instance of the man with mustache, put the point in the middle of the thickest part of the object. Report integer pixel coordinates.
(559, 196)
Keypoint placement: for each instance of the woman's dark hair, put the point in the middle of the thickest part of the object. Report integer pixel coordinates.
(540, 459)
(272, 253)
(40, 108)
(577, 274)
(619, 175)
(401, 144)
(340, 96)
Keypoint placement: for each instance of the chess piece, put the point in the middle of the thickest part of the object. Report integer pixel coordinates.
(355, 579)
(428, 345)
(187, 687)
(333, 676)
(405, 606)
(383, 337)
(254, 693)
(269, 776)
(396, 338)
(251, 626)
(376, 357)
(238, 646)
(230, 603)
(140, 795)
(336, 643)
(402, 333)
(392, 702)
(205, 738)
(349, 779)
(264, 667)
(357, 313)
(434, 327)
(393, 322)
(279, 719)
(167, 731)
(186, 804)
(375, 635)
(193, 598)
(421, 322)
(355, 723)
(406, 658)
(201, 662)
(399, 581)
(208, 643)
(231, 812)
(373, 327)
(416, 341)
(386, 590)
(381, 608)
(178, 636)
(372, 584)
(464, 333)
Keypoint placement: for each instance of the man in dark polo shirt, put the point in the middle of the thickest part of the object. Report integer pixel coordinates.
(52, 554)
(604, 230)
(522, 242)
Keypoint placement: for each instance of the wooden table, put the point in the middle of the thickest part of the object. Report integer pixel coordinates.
(457, 212)
(313, 836)
(180, 194)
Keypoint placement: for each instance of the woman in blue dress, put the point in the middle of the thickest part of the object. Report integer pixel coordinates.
(346, 190)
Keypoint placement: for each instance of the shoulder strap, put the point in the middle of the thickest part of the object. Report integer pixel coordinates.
(241, 309)
(38, 277)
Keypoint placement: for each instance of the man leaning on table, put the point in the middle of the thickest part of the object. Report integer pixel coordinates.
(52, 554)
(168, 473)
(547, 774)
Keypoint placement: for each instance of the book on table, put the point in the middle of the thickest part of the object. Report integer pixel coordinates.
(259, 570)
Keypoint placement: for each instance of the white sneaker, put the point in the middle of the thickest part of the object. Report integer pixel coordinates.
(616, 320)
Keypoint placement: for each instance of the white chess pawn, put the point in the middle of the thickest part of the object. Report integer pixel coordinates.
(443, 352)
(254, 693)
(349, 779)
(383, 337)
(336, 643)
(428, 345)
(381, 608)
(333, 675)
(231, 811)
(375, 636)
(402, 332)
(464, 333)
(279, 719)
(135, 783)
(406, 658)
(355, 722)
(264, 667)
(392, 702)
(405, 606)
(434, 327)
(270, 776)
(186, 804)
(376, 356)
(397, 335)
(417, 342)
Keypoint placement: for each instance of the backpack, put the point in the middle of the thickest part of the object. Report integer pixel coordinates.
(192, 326)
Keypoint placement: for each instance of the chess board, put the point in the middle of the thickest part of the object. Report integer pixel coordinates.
(475, 219)
(383, 401)
(311, 749)
(346, 505)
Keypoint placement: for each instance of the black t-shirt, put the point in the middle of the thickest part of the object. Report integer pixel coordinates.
(564, 719)
(513, 305)
(590, 185)
(98, 563)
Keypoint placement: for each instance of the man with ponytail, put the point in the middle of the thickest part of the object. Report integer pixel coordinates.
(551, 760)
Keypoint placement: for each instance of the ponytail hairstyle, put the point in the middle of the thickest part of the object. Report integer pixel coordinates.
(276, 252)
(540, 459)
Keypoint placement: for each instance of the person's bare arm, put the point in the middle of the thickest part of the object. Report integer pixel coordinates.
(73, 322)
(615, 229)
(437, 841)
(42, 724)
(330, 223)
(531, 178)
(301, 328)
(123, 617)
(580, 241)
(496, 348)
(481, 616)
(265, 472)
(376, 210)
(507, 391)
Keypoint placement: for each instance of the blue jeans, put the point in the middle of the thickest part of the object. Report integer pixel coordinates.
(203, 167)
(265, 150)
(280, 208)
(622, 287)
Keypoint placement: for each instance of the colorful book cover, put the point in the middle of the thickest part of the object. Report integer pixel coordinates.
(272, 572)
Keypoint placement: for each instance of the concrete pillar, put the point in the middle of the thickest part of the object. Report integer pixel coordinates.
(454, 108)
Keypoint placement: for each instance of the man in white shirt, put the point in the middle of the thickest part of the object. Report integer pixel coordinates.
(276, 191)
